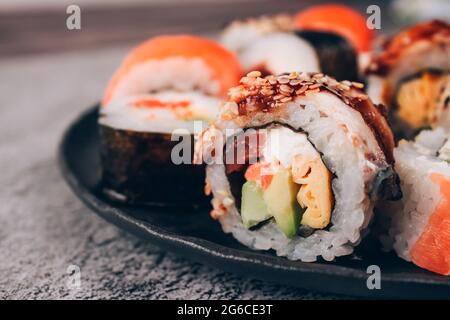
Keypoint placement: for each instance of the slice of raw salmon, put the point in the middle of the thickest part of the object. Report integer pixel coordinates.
(339, 19)
(432, 249)
(223, 64)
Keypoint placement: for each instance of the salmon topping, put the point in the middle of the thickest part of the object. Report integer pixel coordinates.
(432, 249)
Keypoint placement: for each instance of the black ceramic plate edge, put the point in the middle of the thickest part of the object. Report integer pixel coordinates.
(312, 276)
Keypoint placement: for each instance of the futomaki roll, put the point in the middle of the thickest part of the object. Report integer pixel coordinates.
(411, 76)
(161, 89)
(321, 38)
(296, 163)
(419, 224)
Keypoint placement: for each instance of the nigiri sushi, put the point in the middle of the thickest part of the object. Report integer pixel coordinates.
(419, 225)
(296, 163)
(411, 76)
(163, 87)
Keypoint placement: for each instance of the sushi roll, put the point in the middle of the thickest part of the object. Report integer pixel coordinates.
(250, 38)
(240, 33)
(296, 163)
(411, 76)
(338, 19)
(300, 44)
(341, 37)
(419, 225)
(163, 88)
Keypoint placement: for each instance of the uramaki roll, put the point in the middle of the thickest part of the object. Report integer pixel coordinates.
(296, 163)
(328, 38)
(419, 225)
(411, 76)
(162, 89)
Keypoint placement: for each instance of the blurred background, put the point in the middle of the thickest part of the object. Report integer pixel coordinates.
(31, 26)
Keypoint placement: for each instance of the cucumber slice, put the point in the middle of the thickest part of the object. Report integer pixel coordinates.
(253, 207)
(281, 201)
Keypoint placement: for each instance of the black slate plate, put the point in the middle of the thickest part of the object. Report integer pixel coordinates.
(194, 234)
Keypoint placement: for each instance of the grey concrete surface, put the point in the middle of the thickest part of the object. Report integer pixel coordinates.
(44, 228)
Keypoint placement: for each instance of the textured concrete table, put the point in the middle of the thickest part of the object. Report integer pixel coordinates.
(44, 228)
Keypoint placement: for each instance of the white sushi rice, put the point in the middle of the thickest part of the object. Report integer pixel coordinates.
(171, 80)
(250, 40)
(240, 34)
(291, 54)
(123, 114)
(177, 73)
(332, 127)
(415, 162)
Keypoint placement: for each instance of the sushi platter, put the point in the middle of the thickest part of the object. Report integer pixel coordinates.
(290, 149)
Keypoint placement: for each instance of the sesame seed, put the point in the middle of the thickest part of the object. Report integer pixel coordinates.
(278, 97)
(285, 89)
(254, 74)
(267, 92)
(308, 92)
(286, 99)
(343, 86)
(301, 90)
(314, 86)
(272, 81)
(358, 85)
(346, 83)
(293, 75)
(295, 82)
(318, 75)
(261, 81)
(283, 80)
(245, 80)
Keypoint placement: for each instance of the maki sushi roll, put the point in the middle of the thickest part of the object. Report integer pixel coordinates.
(250, 38)
(163, 88)
(411, 76)
(337, 19)
(419, 225)
(328, 45)
(239, 34)
(341, 38)
(296, 163)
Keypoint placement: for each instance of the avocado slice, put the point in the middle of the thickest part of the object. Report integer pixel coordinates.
(280, 198)
(253, 207)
